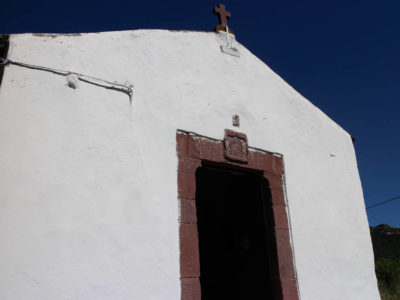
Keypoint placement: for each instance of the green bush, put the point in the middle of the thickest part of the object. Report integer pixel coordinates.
(388, 275)
(385, 296)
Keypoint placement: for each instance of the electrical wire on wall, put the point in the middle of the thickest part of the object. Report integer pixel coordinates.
(72, 77)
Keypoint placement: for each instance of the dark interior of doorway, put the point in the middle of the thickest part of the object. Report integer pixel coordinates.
(234, 240)
(4, 43)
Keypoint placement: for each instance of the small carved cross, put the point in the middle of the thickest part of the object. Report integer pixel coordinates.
(223, 14)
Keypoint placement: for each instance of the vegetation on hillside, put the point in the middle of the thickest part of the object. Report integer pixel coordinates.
(386, 243)
(388, 275)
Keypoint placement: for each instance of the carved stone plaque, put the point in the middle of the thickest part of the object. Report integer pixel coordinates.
(236, 148)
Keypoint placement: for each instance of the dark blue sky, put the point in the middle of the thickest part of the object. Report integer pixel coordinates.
(344, 56)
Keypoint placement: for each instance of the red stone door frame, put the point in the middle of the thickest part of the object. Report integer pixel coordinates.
(232, 153)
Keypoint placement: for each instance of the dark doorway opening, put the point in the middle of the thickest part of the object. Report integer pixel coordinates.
(235, 242)
(4, 43)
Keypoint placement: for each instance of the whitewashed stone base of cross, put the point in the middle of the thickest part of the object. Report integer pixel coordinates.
(228, 43)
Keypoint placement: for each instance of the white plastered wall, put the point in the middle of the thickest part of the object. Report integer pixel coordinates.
(88, 185)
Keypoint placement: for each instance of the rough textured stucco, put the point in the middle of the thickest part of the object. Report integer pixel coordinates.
(88, 195)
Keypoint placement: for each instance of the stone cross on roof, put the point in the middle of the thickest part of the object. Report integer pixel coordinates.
(223, 14)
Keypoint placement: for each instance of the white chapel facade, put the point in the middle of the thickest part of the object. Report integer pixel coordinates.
(156, 164)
